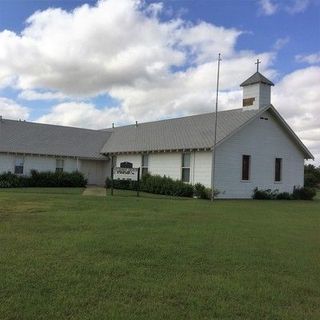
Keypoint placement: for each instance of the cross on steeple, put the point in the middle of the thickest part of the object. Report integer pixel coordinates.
(257, 63)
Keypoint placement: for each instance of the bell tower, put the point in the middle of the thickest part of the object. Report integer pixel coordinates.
(256, 91)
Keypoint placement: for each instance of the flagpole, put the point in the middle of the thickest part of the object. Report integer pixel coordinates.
(215, 133)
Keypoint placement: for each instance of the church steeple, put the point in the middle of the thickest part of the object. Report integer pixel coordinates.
(256, 91)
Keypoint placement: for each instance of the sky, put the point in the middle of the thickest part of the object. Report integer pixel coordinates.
(90, 64)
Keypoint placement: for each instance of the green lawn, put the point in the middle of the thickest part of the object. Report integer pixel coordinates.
(68, 256)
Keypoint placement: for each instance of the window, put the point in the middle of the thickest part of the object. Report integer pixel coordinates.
(126, 164)
(145, 163)
(18, 168)
(277, 171)
(185, 173)
(59, 165)
(245, 167)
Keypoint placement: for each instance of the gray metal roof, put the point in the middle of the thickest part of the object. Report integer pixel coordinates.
(256, 78)
(36, 138)
(193, 132)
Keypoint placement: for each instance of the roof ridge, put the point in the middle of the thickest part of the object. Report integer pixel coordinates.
(51, 125)
(172, 119)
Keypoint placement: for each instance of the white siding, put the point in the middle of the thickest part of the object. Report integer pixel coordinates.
(264, 140)
(261, 92)
(202, 168)
(169, 164)
(6, 162)
(95, 171)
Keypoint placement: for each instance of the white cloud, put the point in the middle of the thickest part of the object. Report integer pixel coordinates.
(35, 95)
(155, 69)
(297, 6)
(310, 58)
(297, 97)
(11, 110)
(280, 43)
(85, 115)
(268, 7)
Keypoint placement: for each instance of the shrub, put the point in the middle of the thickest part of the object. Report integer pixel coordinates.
(43, 179)
(267, 194)
(163, 185)
(166, 186)
(201, 192)
(304, 193)
(284, 196)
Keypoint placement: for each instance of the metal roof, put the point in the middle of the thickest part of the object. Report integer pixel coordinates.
(256, 78)
(36, 138)
(192, 132)
(186, 133)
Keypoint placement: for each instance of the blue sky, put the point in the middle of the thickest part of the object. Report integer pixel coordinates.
(125, 60)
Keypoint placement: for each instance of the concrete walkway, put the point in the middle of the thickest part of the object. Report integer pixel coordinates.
(94, 191)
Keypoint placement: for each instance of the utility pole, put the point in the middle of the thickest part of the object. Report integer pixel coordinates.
(215, 132)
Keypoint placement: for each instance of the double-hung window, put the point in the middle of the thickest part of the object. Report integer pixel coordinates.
(246, 159)
(19, 164)
(185, 171)
(145, 164)
(277, 170)
(59, 165)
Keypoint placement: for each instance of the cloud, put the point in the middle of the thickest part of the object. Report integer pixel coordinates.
(155, 69)
(280, 43)
(311, 58)
(32, 95)
(297, 98)
(297, 6)
(81, 114)
(11, 110)
(268, 7)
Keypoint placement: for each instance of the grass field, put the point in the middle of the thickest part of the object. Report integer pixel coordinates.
(68, 256)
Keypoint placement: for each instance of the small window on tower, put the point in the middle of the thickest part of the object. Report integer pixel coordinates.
(248, 102)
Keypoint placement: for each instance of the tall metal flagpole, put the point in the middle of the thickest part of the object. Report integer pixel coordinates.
(215, 132)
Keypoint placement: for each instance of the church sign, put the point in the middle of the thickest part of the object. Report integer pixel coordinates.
(126, 174)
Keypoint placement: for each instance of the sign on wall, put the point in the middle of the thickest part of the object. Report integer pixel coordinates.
(126, 174)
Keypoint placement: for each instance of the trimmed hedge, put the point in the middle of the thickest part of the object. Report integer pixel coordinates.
(43, 179)
(163, 185)
(303, 193)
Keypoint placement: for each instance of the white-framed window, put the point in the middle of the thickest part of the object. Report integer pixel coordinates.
(144, 164)
(185, 168)
(278, 170)
(19, 165)
(246, 163)
(59, 165)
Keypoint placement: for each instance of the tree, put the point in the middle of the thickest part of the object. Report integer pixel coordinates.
(311, 176)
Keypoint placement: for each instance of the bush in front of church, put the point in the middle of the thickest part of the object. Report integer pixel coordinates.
(202, 192)
(43, 179)
(304, 193)
(166, 186)
(301, 193)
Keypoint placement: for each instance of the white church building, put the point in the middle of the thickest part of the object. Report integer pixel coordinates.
(255, 147)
